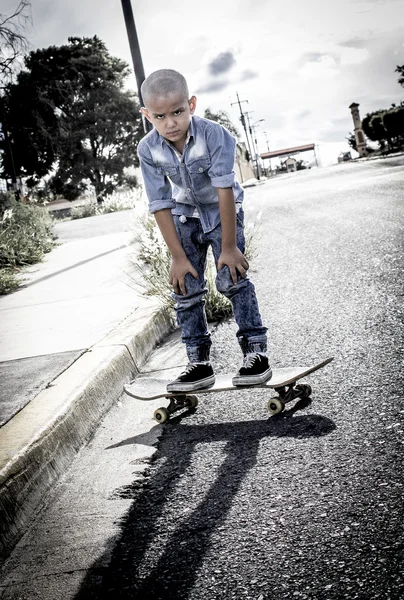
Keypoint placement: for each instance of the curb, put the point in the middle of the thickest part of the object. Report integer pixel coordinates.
(40, 442)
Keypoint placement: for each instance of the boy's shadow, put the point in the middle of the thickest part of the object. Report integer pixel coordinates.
(183, 553)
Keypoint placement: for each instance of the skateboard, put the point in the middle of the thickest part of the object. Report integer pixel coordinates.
(151, 386)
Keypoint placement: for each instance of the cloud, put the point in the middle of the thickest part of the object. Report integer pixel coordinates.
(353, 56)
(246, 75)
(222, 63)
(312, 57)
(325, 66)
(354, 43)
(212, 86)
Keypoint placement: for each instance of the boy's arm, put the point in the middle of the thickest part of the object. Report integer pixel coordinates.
(230, 255)
(180, 265)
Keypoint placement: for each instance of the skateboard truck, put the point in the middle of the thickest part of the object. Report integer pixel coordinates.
(161, 415)
(288, 393)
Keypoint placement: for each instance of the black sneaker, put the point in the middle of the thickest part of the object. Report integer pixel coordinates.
(195, 377)
(256, 369)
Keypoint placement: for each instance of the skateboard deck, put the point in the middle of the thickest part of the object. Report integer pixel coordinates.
(151, 386)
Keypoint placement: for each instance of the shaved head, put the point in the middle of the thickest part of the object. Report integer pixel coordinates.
(162, 83)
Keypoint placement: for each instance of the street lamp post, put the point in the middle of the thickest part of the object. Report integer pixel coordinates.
(135, 52)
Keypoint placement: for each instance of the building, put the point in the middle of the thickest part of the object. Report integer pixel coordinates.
(358, 131)
(290, 164)
(243, 167)
(289, 152)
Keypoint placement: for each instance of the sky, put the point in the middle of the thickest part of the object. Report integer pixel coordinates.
(297, 64)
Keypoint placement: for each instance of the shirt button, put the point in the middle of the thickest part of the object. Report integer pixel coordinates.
(166, 172)
(200, 170)
(182, 164)
(188, 190)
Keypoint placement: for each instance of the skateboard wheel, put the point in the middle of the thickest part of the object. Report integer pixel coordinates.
(275, 406)
(304, 389)
(192, 401)
(161, 415)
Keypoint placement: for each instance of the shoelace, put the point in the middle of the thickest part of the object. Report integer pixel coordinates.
(190, 367)
(250, 360)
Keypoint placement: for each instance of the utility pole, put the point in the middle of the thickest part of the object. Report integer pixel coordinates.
(242, 119)
(252, 143)
(136, 55)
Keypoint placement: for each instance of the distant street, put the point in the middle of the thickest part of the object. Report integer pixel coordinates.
(235, 504)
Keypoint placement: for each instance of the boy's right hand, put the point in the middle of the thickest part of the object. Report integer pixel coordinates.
(179, 268)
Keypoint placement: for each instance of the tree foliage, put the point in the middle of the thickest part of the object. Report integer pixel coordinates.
(400, 71)
(223, 118)
(68, 113)
(385, 126)
(352, 141)
(13, 41)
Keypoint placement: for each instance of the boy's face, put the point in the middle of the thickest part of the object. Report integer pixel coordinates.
(170, 115)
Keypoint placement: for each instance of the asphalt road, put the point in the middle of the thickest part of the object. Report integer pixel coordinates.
(235, 504)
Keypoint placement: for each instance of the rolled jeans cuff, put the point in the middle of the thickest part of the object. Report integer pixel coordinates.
(256, 343)
(198, 353)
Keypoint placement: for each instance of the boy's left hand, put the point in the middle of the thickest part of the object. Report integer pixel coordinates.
(236, 261)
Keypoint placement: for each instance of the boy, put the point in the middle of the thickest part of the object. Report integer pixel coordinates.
(187, 166)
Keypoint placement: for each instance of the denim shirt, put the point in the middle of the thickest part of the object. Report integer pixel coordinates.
(207, 163)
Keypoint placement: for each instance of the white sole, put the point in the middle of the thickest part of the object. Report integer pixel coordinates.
(191, 387)
(252, 380)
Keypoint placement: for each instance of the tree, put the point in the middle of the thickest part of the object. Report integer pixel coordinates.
(68, 113)
(400, 70)
(13, 43)
(352, 141)
(393, 122)
(223, 118)
(373, 127)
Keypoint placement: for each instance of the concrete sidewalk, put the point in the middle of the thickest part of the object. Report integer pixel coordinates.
(70, 338)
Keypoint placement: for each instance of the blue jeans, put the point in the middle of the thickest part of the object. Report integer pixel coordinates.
(190, 308)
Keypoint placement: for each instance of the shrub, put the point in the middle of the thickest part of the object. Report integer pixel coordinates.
(112, 203)
(26, 234)
(116, 201)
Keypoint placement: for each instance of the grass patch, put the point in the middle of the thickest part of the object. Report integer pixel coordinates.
(9, 281)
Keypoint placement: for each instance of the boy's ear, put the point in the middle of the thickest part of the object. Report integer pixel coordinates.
(145, 113)
(192, 104)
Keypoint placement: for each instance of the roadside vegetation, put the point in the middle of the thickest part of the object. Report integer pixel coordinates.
(26, 235)
(112, 203)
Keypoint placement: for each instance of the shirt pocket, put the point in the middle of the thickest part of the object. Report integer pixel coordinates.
(169, 171)
(198, 171)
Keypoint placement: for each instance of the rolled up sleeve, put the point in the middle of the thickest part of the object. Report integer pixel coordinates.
(222, 147)
(157, 186)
